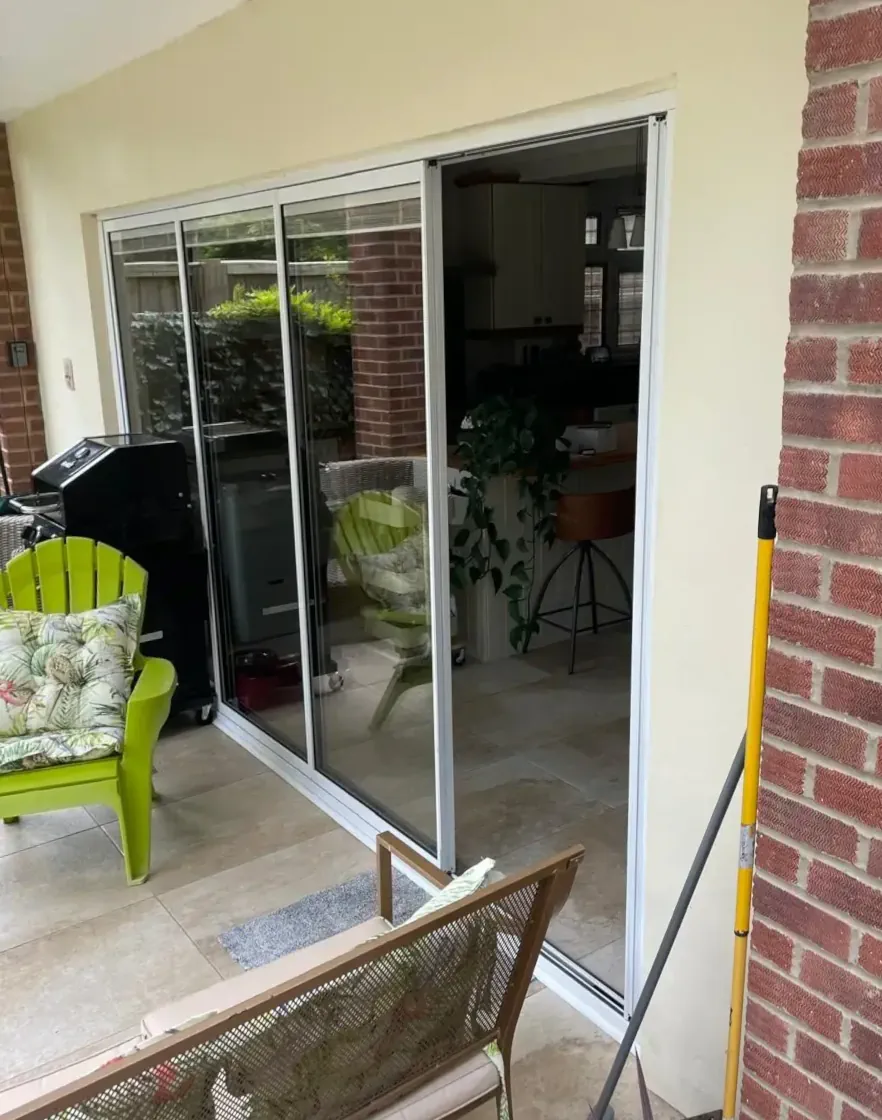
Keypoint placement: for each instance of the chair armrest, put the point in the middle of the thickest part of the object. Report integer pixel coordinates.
(389, 845)
(150, 702)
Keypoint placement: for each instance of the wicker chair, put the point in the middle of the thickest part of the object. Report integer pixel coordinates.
(12, 526)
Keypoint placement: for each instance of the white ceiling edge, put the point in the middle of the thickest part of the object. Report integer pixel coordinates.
(50, 47)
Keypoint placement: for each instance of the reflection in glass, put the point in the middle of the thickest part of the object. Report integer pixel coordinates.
(234, 303)
(357, 339)
(147, 291)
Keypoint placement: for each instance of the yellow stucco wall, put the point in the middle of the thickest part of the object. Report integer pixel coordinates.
(277, 85)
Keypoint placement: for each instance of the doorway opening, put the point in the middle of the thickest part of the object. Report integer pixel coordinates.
(543, 277)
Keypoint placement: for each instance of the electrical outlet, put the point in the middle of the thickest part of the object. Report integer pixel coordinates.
(69, 374)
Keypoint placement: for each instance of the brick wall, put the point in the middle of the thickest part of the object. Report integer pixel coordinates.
(386, 285)
(813, 1045)
(22, 440)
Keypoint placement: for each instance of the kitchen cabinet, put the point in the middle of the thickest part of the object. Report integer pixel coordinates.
(523, 249)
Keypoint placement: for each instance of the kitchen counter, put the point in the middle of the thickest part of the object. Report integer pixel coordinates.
(577, 462)
(601, 459)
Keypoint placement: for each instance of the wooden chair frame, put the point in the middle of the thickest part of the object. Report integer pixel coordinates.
(552, 878)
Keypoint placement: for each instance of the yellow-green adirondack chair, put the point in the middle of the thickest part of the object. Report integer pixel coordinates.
(369, 524)
(71, 575)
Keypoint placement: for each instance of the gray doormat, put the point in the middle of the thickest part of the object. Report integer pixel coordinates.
(316, 917)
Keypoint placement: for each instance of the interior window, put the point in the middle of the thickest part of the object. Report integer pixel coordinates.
(593, 320)
(630, 308)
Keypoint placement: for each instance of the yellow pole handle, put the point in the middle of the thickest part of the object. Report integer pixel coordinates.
(750, 788)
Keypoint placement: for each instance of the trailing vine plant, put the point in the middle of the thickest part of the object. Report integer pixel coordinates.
(503, 436)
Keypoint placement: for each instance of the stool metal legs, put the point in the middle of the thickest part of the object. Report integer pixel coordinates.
(587, 551)
(577, 594)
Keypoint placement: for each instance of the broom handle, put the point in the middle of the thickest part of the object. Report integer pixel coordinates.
(670, 935)
(750, 791)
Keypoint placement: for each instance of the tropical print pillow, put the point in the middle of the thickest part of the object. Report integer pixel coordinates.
(397, 579)
(65, 680)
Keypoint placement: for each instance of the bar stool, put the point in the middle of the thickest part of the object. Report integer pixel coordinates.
(585, 519)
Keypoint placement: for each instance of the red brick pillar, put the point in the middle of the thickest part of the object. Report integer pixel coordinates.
(22, 439)
(813, 1045)
(386, 285)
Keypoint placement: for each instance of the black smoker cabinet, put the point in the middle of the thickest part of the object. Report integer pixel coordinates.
(132, 492)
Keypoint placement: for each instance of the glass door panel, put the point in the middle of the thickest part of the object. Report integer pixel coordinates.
(356, 314)
(147, 293)
(233, 292)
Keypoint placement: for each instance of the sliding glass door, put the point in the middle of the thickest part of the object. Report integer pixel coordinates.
(293, 339)
(282, 340)
(242, 436)
(355, 313)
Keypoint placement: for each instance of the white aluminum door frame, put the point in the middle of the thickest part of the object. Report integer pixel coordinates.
(439, 544)
(658, 167)
(600, 1001)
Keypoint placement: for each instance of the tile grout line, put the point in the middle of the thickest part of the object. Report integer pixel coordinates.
(187, 934)
(75, 925)
(51, 839)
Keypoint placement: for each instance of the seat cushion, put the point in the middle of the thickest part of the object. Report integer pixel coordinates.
(469, 1081)
(65, 673)
(20, 1095)
(50, 748)
(227, 993)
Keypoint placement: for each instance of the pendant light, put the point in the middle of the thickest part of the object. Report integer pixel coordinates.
(618, 238)
(637, 233)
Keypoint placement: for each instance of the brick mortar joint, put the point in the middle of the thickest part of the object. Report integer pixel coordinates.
(834, 9)
(821, 552)
(823, 605)
(836, 501)
(805, 849)
(849, 203)
(839, 269)
(806, 800)
(836, 389)
(840, 332)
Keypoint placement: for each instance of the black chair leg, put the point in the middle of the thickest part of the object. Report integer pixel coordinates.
(620, 579)
(577, 594)
(543, 588)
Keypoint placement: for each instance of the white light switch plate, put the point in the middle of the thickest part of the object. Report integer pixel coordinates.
(69, 374)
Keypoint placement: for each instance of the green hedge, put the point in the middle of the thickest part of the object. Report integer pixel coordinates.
(313, 314)
(239, 352)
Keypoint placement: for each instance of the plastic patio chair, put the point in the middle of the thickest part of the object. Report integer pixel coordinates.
(369, 524)
(77, 574)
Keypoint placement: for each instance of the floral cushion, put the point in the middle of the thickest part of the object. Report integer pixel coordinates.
(65, 680)
(49, 748)
(397, 579)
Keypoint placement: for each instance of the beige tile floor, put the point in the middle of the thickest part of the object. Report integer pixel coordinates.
(541, 762)
(83, 957)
